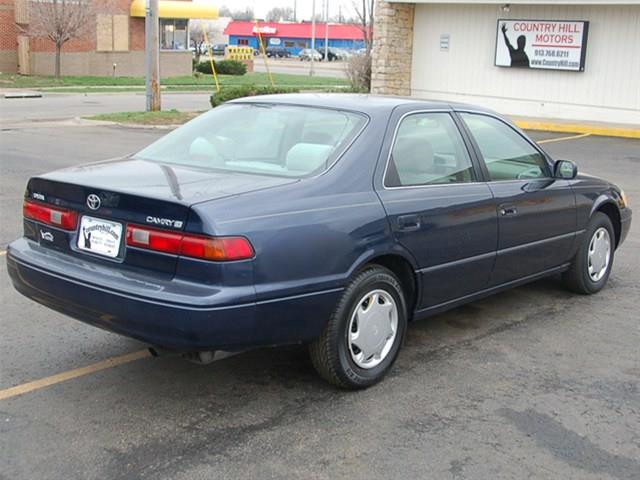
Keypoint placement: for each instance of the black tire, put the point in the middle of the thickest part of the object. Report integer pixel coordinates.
(577, 278)
(330, 352)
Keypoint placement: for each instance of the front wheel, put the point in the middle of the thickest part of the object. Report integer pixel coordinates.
(363, 337)
(591, 266)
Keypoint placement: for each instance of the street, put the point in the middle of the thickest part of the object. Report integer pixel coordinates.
(61, 106)
(532, 383)
(296, 67)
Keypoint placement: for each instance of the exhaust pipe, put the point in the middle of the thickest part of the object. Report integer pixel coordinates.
(207, 356)
(203, 357)
(160, 352)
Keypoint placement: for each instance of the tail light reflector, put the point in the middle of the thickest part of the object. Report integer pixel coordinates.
(167, 242)
(218, 249)
(57, 217)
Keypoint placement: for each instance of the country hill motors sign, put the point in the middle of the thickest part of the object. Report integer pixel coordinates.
(541, 44)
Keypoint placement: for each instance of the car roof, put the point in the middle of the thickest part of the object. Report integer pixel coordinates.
(365, 103)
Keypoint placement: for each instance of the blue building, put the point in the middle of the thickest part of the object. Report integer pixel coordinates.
(294, 36)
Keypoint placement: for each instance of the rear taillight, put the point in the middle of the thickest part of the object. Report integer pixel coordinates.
(57, 217)
(216, 248)
(219, 249)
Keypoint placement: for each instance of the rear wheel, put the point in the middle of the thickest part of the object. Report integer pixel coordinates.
(363, 337)
(591, 266)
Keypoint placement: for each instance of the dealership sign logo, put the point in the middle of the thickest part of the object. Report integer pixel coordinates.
(541, 44)
(265, 30)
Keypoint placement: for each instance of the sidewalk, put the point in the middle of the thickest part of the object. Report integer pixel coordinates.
(576, 126)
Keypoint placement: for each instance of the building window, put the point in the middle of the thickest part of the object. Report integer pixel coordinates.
(243, 41)
(112, 33)
(174, 34)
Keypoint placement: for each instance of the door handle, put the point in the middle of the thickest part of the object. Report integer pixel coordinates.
(408, 223)
(508, 210)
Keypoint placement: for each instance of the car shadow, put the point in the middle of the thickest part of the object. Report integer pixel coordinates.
(290, 368)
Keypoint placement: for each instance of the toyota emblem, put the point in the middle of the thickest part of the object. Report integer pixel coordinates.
(93, 201)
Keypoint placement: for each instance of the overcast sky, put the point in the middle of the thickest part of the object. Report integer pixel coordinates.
(261, 7)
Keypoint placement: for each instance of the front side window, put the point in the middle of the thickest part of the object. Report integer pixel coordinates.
(507, 155)
(269, 139)
(428, 150)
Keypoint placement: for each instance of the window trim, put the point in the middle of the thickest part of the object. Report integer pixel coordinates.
(483, 164)
(479, 174)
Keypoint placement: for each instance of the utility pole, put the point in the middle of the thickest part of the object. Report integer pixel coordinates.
(295, 10)
(326, 30)
(152, 56)
(313, 37)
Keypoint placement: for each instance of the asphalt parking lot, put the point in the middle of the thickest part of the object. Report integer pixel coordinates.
(532, 383)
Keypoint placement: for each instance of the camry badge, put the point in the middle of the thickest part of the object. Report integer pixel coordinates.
(93, 201)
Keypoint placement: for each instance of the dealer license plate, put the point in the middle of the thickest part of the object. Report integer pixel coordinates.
(100, 236)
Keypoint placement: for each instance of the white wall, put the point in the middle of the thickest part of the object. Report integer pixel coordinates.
(607, 91)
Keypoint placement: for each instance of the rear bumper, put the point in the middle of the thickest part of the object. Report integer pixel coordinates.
(172, 313)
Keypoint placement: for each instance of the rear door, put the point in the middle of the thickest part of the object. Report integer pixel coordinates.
(536, 212)
(438, 208)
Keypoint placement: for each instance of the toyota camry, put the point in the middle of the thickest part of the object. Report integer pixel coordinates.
(327, 220)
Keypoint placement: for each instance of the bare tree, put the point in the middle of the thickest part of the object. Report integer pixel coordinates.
(364, 14)
(358, 67)
(358, 70)
(280, 13)
(60, 21)
(197, 38)
(247, 14)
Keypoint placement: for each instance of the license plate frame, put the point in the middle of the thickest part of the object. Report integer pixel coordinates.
(100, 236)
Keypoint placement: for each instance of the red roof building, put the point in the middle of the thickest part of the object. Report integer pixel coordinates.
(294, 36)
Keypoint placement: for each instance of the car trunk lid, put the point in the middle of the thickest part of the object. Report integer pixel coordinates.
(108, 196)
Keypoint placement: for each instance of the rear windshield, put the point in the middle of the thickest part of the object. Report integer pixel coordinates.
(269, 139)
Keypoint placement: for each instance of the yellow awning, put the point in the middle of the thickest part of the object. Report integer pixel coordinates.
(175, 9)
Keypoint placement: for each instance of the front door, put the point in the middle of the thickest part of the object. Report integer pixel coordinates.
(438, 208)
(536, 212)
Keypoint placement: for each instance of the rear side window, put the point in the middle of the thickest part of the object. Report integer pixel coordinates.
(506, 154)
(428, 150)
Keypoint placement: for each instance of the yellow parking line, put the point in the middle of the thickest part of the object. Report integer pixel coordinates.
(560, 139)
(561, 127)
(70, 374)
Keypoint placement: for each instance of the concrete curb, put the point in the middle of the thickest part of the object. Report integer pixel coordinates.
(98, 123)
(22, 94)
(578, 128)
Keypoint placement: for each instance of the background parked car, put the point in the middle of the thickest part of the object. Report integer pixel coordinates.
(218, 49)
(278, 52)
(306, 54)
(332, 54)
(342, 53)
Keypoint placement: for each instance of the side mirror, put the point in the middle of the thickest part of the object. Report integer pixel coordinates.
(565, 169)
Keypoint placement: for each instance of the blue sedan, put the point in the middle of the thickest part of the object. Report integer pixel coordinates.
(328, 220)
